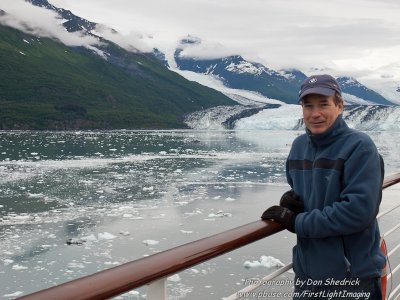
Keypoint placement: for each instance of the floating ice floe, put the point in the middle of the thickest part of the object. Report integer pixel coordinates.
(16, 294)
(106, 236)
(174, 278)
(112, 263)
(194, 271)
(90, 238)
(18, 267)
(7, 261)
(220, 214)
(265, 261)
(76, 265)
(150, 242)
(32, 195)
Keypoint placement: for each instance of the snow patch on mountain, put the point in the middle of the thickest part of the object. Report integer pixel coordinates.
(354, 100)
(388, 88)
(245, 67)
(243, 97)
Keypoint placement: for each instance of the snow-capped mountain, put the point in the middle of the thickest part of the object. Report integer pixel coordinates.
(237, 73)
(352, 87)
(234, 72)
(258, 88)
(71, 22)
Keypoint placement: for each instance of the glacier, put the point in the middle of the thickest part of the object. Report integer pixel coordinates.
(289, 117)
(257, 112)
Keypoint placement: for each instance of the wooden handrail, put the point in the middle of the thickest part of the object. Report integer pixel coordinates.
(123, 278)
(391, 180)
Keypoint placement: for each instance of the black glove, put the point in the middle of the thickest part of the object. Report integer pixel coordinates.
(292, 201)
(282, 215)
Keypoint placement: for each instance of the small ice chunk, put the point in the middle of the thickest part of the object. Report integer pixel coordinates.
(112, 263)
(174, 278)
(90, 238)
(76, 265)
(265, 261)
(33, 195)
(7, 261)
(21, 217)
(220, 214)
(18, 267)
(150, 242)
(194, 271)
(271, 262)
(186, 231)
(134, 293)
(251, 264)
(16, 294)
(106, 236)
(229, 199)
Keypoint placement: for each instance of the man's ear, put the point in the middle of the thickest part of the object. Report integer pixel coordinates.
(341, 106)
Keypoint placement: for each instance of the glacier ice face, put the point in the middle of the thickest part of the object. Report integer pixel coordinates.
(289, 117)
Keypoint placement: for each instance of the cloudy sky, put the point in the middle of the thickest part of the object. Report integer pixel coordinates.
(358, 37)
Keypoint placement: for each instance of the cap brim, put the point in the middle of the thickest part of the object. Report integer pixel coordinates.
(317, 90)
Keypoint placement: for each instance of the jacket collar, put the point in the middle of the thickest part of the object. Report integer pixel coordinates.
(330, 135)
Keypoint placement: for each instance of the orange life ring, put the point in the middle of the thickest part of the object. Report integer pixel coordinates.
(383, 272)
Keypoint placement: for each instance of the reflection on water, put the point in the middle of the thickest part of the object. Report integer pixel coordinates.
(112, 190)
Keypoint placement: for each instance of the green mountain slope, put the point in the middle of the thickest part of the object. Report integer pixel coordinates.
(47, 85)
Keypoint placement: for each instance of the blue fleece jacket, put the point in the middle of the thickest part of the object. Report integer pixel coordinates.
(337, 175)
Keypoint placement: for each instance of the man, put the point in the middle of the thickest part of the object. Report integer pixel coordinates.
(336, 178)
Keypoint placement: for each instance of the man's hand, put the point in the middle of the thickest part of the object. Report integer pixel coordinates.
(292, 201)
(282, 215)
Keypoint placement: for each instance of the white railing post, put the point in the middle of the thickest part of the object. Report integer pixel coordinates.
(157, 290)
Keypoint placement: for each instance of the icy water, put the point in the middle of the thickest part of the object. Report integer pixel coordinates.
(122, 195)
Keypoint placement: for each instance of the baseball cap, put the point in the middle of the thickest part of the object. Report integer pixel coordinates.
(319, 84)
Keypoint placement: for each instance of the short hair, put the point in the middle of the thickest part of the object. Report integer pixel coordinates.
(338, 99)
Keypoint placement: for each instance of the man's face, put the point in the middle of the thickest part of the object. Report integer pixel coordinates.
(320, 112)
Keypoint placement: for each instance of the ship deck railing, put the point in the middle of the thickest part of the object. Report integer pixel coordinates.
(153, 270)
